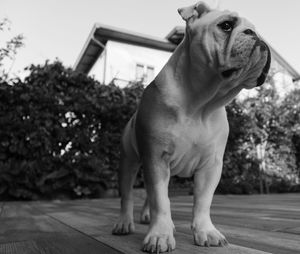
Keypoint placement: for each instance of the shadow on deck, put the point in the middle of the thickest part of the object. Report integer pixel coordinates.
(252, 224)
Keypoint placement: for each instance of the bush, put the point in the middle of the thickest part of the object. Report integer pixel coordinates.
(60, 134)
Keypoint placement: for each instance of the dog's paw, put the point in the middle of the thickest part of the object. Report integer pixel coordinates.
(158, 243)
(124, 226)
(159, 238)
(208, 236)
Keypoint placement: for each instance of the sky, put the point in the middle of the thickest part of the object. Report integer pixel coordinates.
(59, 28)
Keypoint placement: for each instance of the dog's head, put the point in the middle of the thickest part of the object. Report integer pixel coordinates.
(227, 43)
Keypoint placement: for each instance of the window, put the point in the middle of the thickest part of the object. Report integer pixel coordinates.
(144, 73)
(139, 72)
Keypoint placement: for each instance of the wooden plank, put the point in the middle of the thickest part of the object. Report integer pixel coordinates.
(258, 223)
(28, 247)
(98, 225)
(57, 245)
(246, 215)
(94, 225)
(184, 244)
(243, 223)
(24, 229)
(266, 241)
(246, 220)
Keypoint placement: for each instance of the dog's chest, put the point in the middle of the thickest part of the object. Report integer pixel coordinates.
(194, 145)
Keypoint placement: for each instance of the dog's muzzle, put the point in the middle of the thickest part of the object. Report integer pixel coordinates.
(245, 45)
(264, 47)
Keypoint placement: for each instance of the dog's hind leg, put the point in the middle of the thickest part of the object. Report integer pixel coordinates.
(127, 174)
(145, 213)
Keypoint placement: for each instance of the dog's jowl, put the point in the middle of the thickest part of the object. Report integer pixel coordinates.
(181, 128)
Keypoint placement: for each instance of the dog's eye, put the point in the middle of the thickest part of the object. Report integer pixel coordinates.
(226, 26)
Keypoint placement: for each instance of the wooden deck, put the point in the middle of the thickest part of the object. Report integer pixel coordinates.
(252, 224)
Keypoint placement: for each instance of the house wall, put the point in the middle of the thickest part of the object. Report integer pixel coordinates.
(122, 60)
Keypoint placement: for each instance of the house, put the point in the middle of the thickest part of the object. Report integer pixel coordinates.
(119, 56)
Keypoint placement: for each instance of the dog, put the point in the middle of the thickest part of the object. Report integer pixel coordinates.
(180, 126)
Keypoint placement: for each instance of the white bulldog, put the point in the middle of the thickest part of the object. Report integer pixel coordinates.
(181, 128)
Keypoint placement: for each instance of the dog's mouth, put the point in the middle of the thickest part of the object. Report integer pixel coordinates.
(229, 72)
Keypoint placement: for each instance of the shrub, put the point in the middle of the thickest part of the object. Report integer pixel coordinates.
(60, 134)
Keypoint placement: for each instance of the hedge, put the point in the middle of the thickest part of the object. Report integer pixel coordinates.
(60, 134)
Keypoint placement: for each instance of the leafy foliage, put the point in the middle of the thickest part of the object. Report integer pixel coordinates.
(60, 134)
(240, 171)
(264, 140)
(9, 50)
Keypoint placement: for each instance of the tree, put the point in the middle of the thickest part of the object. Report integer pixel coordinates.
(9, 50)
(272, 123)
(289, 112)
(263, 147)
(240, 171)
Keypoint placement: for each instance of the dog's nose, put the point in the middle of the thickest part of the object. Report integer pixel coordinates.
(261, 44)
(250, 32)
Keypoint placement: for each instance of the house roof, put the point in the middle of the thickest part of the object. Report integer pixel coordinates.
(100, 34)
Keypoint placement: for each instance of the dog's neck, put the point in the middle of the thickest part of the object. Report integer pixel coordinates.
(200, 91)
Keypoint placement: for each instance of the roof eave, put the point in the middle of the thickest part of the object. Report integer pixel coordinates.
(91, 50)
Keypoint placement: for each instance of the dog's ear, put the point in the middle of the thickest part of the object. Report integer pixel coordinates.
(193, 11)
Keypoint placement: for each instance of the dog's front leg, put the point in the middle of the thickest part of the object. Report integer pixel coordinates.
(160, 234)
(205, 182)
